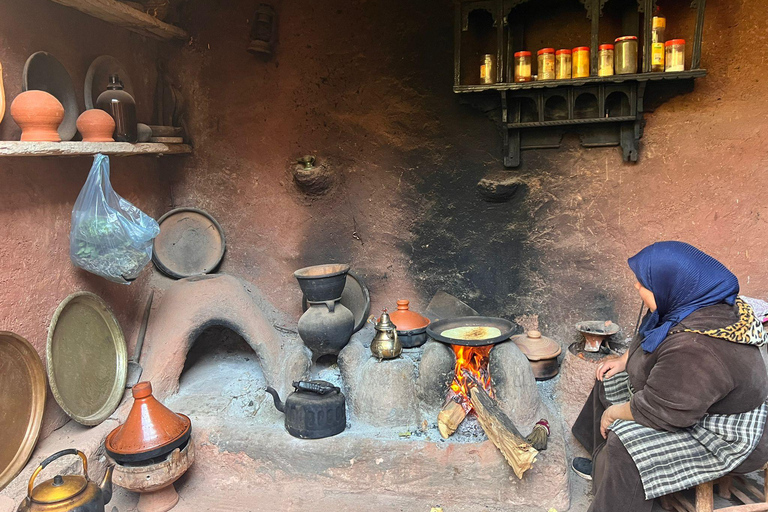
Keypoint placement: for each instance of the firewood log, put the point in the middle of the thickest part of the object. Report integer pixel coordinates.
(502, 432)
(449, 418)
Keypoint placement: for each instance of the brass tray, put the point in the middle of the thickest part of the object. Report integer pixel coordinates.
(87, 358)
(22, 400)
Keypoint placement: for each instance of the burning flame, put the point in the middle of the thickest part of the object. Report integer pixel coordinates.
(471, 369)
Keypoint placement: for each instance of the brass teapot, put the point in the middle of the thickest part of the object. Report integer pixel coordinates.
(385, 344)
(68, 492)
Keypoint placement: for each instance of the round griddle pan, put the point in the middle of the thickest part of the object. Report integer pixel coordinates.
(191, 242)
(435, 329)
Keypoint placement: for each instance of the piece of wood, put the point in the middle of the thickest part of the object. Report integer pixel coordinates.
(756, 507)
(449, 418)
(502, 432)
(127, 17)
(705, 497)
(14, 148)
(167, 140)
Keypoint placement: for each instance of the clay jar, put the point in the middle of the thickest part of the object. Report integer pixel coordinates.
(39, 115)
(327, 325)
(96, 126)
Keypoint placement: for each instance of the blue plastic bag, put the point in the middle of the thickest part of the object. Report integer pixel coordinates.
(109, 237)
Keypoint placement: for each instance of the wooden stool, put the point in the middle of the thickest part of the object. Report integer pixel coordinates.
(728, 487)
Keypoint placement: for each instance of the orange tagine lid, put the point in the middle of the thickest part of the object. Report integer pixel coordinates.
(545, 50)
(407, 320)
(151, 429)
(536, 347)
(523, 54)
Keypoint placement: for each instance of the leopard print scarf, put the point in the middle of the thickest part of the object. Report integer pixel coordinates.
(747, 331)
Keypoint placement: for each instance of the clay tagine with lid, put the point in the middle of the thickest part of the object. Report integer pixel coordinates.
(150, 431)
(542, 353)
(96, 126)
(411, 326)
(39, 115)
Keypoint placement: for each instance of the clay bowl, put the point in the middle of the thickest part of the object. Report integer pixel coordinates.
(39, 115)
(96, 126)
(322, 282)
(43, 72)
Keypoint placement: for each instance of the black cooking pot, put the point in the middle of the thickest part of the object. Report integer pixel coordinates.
(413, 338)
(317, 409)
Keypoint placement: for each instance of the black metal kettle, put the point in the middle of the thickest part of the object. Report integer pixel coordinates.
(316, 409)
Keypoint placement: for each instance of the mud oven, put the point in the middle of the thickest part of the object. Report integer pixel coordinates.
(391, 448)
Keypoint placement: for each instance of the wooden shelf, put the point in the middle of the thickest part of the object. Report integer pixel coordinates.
(567, 122)
(592, 80)
(13, 148)
(127, 17)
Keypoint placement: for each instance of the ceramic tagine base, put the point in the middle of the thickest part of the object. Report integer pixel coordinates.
(154, 482)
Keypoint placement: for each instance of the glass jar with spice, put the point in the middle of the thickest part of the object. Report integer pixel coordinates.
(563, 64)
(546, 62)
(523, 66)
(674, 59)
(487, 70)
(580, 68)
(626, 55)
(659, 24)
(605, 60)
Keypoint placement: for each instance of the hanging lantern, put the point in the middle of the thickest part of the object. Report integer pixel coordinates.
(263, 31)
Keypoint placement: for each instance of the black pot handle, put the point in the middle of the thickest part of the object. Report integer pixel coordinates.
(314, 387)
(62, 453)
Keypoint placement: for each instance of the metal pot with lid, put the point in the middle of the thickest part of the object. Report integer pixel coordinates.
(64, 493)
(316, 409)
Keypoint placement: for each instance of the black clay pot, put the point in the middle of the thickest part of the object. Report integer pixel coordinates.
(322, 283)
(325, 328)
(317, 409)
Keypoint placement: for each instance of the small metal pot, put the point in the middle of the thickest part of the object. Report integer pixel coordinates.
(413, 338)
(317, 409)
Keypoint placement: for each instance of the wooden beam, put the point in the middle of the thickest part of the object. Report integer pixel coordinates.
(15, 148)
(502, 432)
(127, 17)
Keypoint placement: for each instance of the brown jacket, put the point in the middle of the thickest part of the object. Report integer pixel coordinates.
(690, 375)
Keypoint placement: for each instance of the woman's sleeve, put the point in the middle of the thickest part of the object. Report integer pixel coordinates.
(683, 384)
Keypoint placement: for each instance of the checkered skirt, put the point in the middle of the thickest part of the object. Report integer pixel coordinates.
(673, 461)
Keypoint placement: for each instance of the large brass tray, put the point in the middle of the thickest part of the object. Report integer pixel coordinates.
(22, 399)
(87, 359)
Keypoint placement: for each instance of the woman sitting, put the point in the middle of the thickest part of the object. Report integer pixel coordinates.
(686, 404)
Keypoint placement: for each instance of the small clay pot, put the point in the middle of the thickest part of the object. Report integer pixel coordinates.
(39, 115)
(96, 126)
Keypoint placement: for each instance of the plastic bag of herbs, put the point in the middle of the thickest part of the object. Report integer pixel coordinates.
(110, 237)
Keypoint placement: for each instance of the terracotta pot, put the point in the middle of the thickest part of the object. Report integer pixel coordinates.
(411, 326)
(39, 115)
(150, 431)
(96, 126)
(541, 351)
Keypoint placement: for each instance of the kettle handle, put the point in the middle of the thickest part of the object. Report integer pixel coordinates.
(68, 451)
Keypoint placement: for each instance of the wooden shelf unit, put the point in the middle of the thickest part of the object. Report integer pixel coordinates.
(535, 115)
(127, 17)
(59, 149)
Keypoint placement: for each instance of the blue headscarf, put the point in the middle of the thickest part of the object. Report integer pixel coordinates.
(682, 279)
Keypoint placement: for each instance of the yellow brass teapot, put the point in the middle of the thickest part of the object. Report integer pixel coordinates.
(68, 492)
(385, 344)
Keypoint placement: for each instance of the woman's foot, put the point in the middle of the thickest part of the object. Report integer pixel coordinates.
(582, 467)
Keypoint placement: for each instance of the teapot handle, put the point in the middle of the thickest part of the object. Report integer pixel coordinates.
(68, 451)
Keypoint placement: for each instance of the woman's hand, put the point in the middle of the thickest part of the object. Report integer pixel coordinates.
(613, 413)
(610, 366)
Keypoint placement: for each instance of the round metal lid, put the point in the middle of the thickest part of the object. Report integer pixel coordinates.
(59, 489)
(44, 72)
(87, 359)
(22, 400)
(97, 78)
(190, 243)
